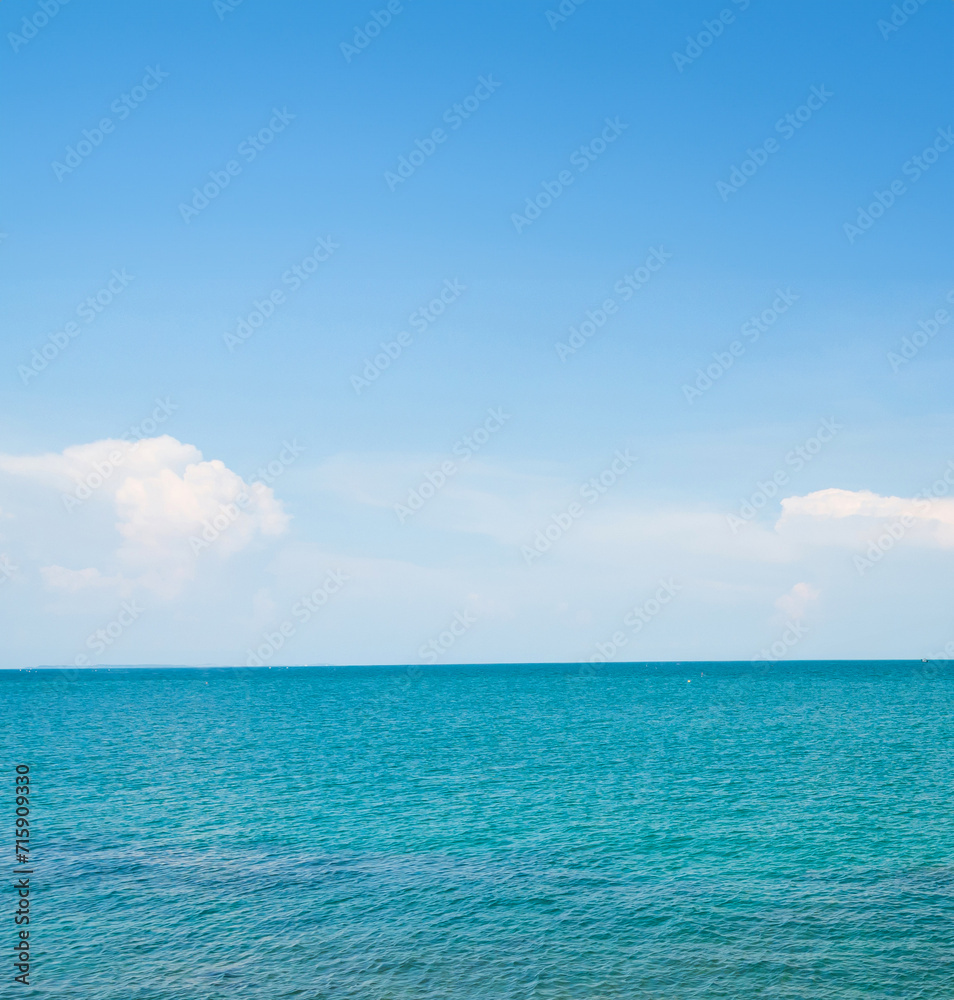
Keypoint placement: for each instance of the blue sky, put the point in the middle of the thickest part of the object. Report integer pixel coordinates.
(634, 137)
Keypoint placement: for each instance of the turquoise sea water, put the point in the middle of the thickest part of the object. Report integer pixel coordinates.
(541, 833)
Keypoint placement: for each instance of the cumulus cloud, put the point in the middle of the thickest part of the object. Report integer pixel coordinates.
(205, 501)
(862, 503)
(170, 505)
(927, 518)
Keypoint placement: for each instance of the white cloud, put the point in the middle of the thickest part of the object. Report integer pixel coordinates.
(797, 601)
(163, 494)
(836, 516)
(141, 505)
(836, 503)
(72, 581)
(160, 509)
(107, 461)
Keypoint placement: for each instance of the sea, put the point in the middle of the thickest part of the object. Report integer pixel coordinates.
(509, 832)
